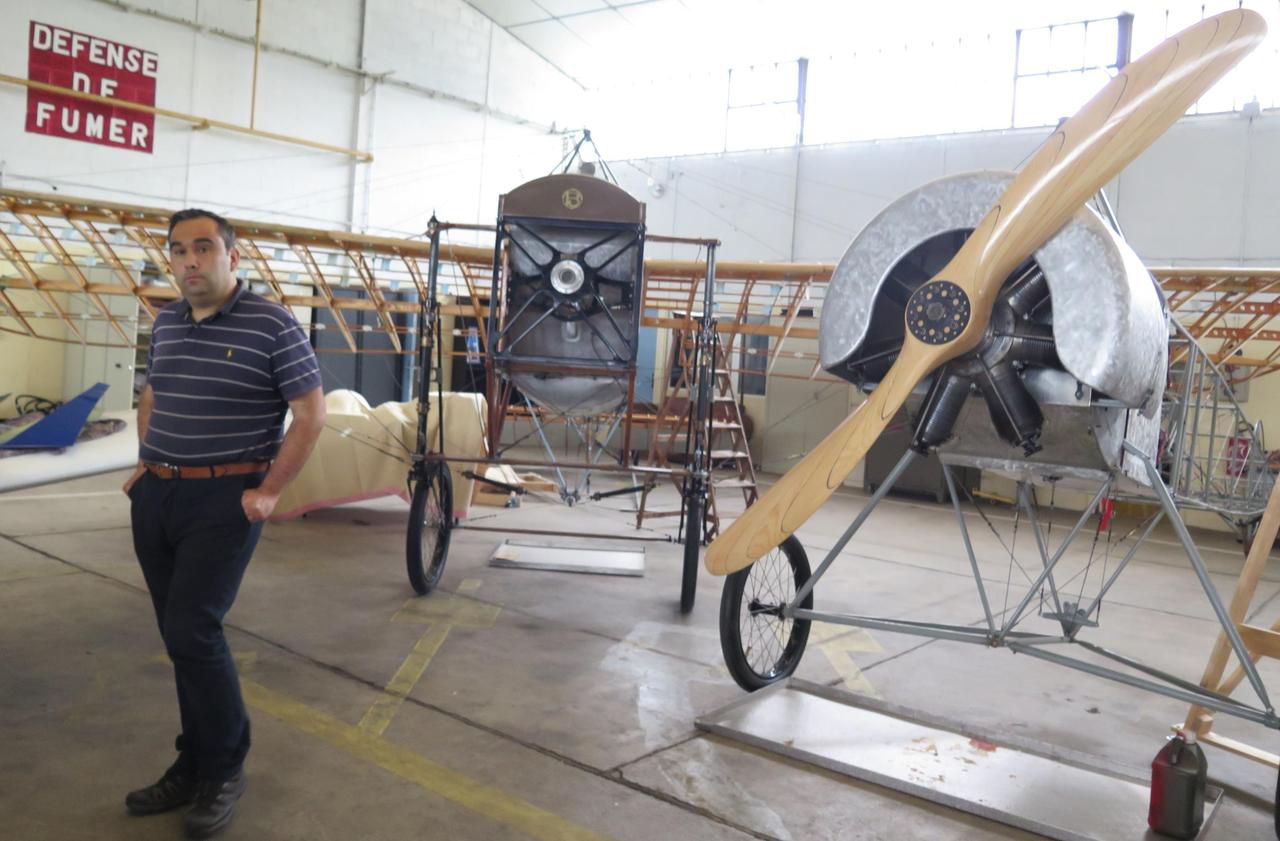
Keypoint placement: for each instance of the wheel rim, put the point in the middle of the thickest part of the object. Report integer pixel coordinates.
(432, 520)
(765, 633)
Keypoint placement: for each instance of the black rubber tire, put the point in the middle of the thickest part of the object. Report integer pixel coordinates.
(751, 644)
(692, 543)
(430, 525)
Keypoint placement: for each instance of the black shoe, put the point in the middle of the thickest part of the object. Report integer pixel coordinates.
(176, 788)
(215, 805)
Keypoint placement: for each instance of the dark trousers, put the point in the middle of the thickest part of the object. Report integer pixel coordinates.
(194, 542)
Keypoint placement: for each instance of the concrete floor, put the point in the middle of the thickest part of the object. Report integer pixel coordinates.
(547, 705)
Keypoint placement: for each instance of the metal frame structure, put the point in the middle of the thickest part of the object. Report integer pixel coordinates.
(1213, 458)
(1196, 466)
(503, 352)
(1071, 617)
(426, 463)
(765, 654)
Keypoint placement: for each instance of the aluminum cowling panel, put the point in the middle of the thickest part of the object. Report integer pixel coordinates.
(1118, 348)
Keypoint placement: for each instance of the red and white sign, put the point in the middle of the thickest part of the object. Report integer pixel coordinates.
(88, 64)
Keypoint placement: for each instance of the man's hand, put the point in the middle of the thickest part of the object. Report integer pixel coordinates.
(258, 504)
(137, 474)
(308, 420)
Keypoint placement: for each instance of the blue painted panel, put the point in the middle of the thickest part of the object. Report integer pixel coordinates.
(62, 426)
(646, 358)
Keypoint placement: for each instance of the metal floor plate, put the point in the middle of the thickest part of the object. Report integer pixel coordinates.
(522, 554)
(1039, 788)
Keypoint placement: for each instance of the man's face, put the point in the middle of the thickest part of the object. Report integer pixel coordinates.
(201, 262)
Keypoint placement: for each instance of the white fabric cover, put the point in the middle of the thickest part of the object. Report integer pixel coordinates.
(365, 452)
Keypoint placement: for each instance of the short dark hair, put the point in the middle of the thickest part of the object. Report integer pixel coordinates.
(225, 230)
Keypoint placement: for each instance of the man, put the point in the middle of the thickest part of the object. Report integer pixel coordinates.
(224, 366)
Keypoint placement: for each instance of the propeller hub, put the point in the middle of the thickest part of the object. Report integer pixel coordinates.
(938, 312)
(567, 277)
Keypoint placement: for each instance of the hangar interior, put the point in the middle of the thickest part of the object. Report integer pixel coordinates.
(739, 185)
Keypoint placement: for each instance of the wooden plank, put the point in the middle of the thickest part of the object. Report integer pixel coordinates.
(490, 496)
(1262, 641)
(1241, 749)
(536, 482)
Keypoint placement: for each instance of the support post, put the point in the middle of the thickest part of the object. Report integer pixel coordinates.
(257, 50)
(1198, 718)
(1197, 563)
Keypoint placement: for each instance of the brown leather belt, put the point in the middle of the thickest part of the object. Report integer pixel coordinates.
(208, 471)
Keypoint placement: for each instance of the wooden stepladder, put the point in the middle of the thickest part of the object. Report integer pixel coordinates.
(671, 436)
(731, 464)
(1261, 642)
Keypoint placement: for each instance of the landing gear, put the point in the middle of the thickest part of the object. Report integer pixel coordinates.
(693, 522)
(760, 645)
(430, 525)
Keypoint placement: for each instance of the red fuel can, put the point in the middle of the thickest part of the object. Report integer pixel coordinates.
(1177, 787)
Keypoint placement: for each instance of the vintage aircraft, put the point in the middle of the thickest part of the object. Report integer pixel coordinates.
(557, 300)
(1024, 337)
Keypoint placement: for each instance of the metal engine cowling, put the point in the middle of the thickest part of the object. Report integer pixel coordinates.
(1073, 362)
(569, 263)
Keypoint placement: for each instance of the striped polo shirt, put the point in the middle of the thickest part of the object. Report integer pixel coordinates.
(222, 385)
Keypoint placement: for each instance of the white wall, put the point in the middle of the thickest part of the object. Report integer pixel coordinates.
(462, 114)
(460, 100)
(1208, 191)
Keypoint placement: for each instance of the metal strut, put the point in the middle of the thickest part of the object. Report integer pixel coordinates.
(1150, 679)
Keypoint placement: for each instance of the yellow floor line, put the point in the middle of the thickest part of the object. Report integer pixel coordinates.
(379, 716)
(27, 576)
(839, 644)
(439, 614)
(487, 801)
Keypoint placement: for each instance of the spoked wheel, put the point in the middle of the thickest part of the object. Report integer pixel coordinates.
(430, 523)
(760, 645)
(692, 541)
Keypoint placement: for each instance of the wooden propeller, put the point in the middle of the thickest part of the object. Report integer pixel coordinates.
(948, 315)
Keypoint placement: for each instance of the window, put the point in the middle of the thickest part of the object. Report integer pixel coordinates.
(1057, 68)
(1256, 78)
(753, 358)
(906, 90)
(765, 106)
(985, 76)
(676, 115)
